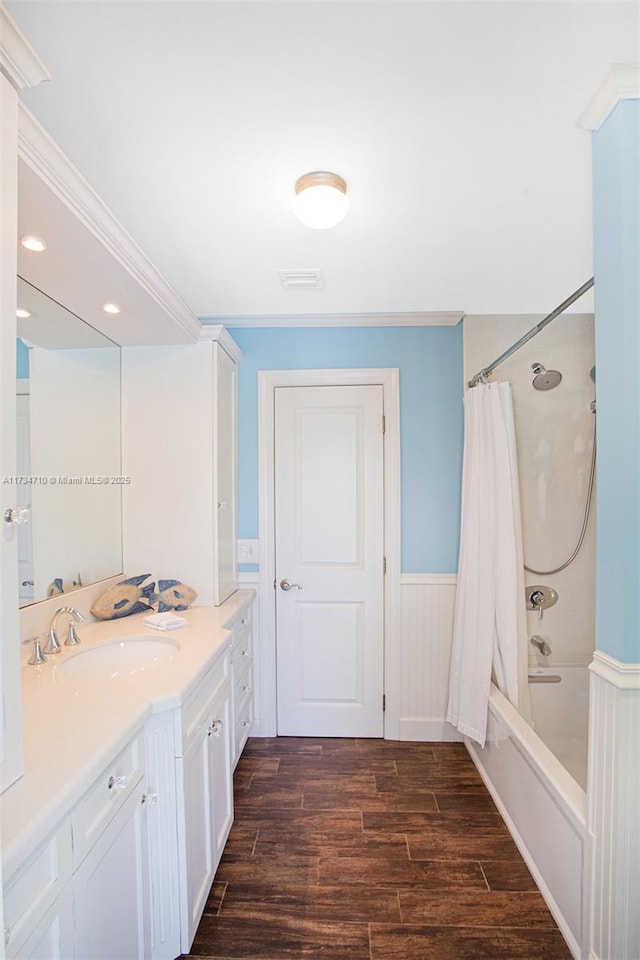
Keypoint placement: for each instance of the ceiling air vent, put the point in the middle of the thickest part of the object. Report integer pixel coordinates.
(301, 279)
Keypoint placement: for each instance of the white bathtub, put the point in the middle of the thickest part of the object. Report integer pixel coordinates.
(541, 802)
(561, 715)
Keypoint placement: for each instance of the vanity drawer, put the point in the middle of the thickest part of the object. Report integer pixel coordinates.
(243, 725)
(243, 684)
(92, 815)
(241, 652)
(35, 886)
(196, 707)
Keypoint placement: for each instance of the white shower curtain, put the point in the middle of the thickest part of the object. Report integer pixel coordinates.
(490, 628)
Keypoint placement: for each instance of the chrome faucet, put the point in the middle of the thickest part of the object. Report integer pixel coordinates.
(53, 643)
(541, 644)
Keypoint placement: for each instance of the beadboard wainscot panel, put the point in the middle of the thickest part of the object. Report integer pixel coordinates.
(426, 612)
(613, 795)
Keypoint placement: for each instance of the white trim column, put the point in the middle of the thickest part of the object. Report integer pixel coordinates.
(20, 67)
(613, 788)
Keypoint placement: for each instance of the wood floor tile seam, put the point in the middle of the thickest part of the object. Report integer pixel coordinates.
(399, 905)
(370, 941)
(485, 876)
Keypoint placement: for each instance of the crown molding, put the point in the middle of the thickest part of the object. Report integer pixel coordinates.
(218, 334)
(19, 62)
(40, 152)
(622, 82)
(448, 319)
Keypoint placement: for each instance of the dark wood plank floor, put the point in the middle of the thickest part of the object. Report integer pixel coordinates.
(370, 850)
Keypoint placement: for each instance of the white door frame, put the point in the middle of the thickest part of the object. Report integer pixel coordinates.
(268, 380)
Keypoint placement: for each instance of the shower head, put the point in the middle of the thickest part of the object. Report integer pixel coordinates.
(545, 379)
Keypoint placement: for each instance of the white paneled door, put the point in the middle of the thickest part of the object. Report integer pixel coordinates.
(329, 544)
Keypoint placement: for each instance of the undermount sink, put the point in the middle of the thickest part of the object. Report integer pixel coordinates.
(119, 657)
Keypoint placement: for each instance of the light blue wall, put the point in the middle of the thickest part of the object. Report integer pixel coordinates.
(616, 171)
(22, 359)
(431, 414)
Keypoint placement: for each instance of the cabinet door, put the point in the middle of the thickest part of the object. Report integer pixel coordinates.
(52, 939)
(220, 770)
(197, 839)
(110, 893)
(224, 486)
(205, 781)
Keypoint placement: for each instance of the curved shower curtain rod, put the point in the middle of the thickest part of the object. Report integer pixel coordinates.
(481, 376)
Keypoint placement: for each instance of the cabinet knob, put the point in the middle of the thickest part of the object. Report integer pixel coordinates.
(150, 799)
(215, 728)
(245, 723)
(117, 784)
(243, 621)
(244, 653)
(222, 504)
(246, 687)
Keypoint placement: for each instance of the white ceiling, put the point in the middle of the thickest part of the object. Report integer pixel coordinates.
(454, 124)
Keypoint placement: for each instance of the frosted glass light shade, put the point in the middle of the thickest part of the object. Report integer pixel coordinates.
(321, 200)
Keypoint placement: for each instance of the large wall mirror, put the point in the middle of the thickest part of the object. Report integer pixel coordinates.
(69, 450)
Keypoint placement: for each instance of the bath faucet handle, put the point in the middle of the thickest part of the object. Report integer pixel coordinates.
(37, 656)
(72, 635)
(539, 598)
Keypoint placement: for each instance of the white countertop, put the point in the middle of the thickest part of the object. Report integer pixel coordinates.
(73, 727)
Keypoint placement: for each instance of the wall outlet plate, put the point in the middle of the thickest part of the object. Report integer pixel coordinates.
(248, 551)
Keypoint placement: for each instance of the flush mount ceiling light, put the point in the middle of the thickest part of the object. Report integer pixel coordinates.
(35, 244)
(321, 199)
(111, 308)
(22, 314)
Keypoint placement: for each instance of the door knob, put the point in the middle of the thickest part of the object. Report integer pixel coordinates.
(287, 585)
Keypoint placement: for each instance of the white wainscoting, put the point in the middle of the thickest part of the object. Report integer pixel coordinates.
(613, 793)
(426, 611)
(421, 658)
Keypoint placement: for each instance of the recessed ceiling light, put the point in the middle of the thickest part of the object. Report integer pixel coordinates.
(22, 314)
(111, 308)
(35, 244)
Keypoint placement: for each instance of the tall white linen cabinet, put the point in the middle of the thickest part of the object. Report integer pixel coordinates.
(179, 454)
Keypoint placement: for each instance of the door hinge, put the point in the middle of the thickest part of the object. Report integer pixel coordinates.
(384, 565)
(384, 423)
(384, 702)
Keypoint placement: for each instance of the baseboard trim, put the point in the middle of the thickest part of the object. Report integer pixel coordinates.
(427, 729)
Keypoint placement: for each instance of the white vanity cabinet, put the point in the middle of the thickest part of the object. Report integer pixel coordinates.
(205, 791)
(83, 892)
(111, 893)
(38, 907)
(242, 695)
(111, 901)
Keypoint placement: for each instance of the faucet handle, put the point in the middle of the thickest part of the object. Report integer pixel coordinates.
(37, 656)
(72, 635)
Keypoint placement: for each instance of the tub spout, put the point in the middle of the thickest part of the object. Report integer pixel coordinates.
(541, 644)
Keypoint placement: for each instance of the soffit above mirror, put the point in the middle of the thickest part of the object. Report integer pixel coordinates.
(51, 325)
(90, 259)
